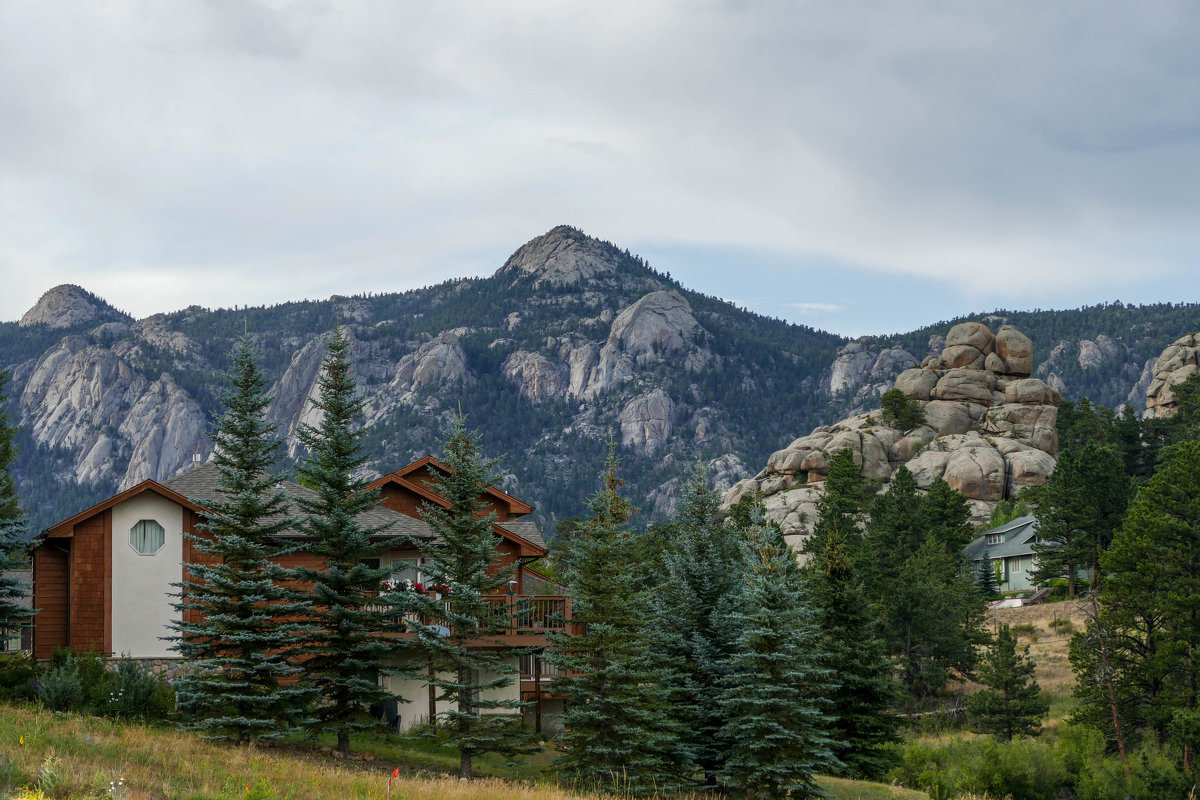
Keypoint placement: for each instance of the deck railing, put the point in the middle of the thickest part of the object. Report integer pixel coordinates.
(521, 614)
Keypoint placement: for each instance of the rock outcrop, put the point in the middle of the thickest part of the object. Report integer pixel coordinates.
(1178, 362)
(81, 396)
(69, 305)
(561, 257)
(989, 430)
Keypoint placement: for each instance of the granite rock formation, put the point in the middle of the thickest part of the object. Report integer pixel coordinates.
(1180, 361)
(989, 431)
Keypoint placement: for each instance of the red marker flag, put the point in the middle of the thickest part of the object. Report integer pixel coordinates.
(396, 772)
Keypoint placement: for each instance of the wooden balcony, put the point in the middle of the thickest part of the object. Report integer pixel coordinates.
(524, 619)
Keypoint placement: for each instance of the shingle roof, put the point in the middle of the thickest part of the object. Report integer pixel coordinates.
(1019, 536)
(202, 486)
(526, 529)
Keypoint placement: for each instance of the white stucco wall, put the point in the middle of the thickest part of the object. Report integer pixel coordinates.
(417, 693)
(141, 608)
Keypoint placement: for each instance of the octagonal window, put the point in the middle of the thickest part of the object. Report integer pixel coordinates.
(147, 537)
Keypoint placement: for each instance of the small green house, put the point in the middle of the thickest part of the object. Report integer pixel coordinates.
(1010, 549)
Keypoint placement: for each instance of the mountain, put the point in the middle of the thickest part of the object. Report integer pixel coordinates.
(570, 343)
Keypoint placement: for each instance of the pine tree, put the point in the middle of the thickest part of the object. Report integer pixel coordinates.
(701, 581)
(775, 695)
(13, 613)
(948, 516)
(1079, 508)
(239, 620)
(839, 510)
(864, 724)
(1012, 704)
(349, 644)
(462, 560)
(621, 734)
(1148, 608)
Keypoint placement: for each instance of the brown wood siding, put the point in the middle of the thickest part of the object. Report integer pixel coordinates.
(193, 555)
(401, 500)
(426, 476)
(50, 597)
(91, 585)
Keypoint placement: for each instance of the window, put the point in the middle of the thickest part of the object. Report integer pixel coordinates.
(1015, 564)
(405, 569)
(995, 538)
(147, 537)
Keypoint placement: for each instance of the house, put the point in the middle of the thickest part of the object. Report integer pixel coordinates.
(1010, 549)
(103, 578)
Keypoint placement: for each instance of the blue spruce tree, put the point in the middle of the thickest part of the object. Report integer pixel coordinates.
(621, 733)
(238, 619)
(701, 582)
(349, 644)
(466, 675)
(13, 613)
(775, 697)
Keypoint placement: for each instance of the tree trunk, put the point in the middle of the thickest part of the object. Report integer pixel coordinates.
(343, 744)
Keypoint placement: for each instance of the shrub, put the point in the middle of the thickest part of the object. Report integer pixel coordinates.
(17, 673)
(61, 688)
(901, 411)
(131, 690)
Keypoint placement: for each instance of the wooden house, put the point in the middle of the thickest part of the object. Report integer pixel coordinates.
(103, 579)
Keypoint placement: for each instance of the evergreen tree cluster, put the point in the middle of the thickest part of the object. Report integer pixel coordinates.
(273, 650)
(705, 657)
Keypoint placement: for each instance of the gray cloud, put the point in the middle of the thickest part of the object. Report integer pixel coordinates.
(246, 152)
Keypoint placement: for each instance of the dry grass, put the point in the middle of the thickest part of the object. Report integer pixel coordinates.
(1048, 643)
(156, 763)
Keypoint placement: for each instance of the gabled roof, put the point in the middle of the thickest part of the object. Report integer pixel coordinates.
(1019, 536)
(515, 507)
(199, 487)
(65, 528)
(523, 533)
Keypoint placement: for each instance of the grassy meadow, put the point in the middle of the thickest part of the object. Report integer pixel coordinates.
(48, 755)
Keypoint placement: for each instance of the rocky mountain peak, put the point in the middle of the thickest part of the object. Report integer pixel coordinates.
(68, 305)
(564, 256)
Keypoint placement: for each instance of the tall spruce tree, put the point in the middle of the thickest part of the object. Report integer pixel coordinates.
(448, 629)
(701, 582)
(775, 696)
(349, 642)
(239, 621)
(622, 734)
(13, 591)
(864, 723)
(1012, 704)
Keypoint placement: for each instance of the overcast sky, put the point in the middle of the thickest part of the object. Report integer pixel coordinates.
(859, 167)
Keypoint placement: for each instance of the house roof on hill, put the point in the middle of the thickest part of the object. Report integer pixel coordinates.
(1016, 538)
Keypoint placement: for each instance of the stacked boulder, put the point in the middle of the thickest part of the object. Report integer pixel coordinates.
(1178, 362)
(989, 431)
